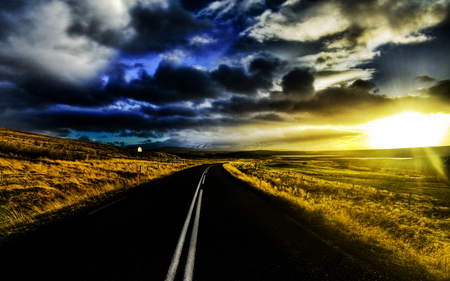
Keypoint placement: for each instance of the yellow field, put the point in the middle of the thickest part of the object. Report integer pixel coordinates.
(413, 232)
(32, 189)
(41, 176)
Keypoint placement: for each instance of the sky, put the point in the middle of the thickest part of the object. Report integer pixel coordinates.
(228, 74)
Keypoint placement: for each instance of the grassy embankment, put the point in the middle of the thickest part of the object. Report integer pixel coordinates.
(41, 176)
(410, 232)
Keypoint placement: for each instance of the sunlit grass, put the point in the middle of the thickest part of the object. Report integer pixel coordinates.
(413, 231)
(42, 176)
(31, 189)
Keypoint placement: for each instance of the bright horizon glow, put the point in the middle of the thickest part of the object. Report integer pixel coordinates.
(408, 129)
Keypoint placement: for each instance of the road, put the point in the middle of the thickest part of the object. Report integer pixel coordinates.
(200, 224)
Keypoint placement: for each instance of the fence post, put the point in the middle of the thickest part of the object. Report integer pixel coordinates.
(137, 179)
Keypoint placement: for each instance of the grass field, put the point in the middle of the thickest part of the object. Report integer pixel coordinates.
(402, 214)
(43, 176)
(403, 175)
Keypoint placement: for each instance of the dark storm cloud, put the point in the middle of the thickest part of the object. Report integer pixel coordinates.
(259, 77)
(184, 83)
(76, 78)
(194, 5)
(159, 29)
(176, 83)
(176, 111)
(13, 98)
(424, 78)
(234, 79)
(155, 28)
(238, 105)
(123, 124)
(266, 65)
(330, 101)
(333, 101)
(114, 122)
(440, 90)
(362, 85)
(170, 84)
(38, 90)
(9, 10)
(139, 134)
(170, 111)
(298, 83)
(269, 117)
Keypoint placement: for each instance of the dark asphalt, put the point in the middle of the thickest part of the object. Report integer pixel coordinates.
(240, 237)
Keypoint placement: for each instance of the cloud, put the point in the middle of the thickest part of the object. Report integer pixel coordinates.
(352, 31)
(176, 111)
(440, 90)
(424, 78)
(330, 78)
(171, 83)
(261, 72)
(362, 85)
(84, 138)
(42, 61)
(229, 8)
(346, 102)
(298, 83)
(135, 27)
(139, 134)
(158, 29)
(272, 117)
(177, 69)
(39, 44)
(307, 23)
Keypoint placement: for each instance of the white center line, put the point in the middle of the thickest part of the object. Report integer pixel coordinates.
(189, 269)
(176, 257)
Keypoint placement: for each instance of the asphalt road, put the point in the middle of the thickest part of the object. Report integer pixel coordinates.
(200, 224)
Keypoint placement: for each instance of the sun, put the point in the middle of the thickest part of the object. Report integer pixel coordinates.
(409, 129)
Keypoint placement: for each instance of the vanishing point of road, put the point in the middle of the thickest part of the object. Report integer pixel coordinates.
(199, 224)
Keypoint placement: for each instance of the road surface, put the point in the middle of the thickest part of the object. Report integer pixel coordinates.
(200, 224)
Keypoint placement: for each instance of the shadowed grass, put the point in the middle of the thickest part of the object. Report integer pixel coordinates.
(411, 232)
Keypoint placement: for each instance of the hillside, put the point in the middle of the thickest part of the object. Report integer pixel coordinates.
(45, 178)
(417, 152)
(17, 144)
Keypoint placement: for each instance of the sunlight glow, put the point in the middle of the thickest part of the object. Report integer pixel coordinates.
(409, 129)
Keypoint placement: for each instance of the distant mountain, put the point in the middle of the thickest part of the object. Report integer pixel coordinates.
(440, 151)
(177, 150)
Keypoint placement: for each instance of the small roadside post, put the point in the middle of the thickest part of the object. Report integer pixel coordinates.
(139, 172)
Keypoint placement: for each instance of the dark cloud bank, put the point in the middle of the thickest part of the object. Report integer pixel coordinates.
(179, 96)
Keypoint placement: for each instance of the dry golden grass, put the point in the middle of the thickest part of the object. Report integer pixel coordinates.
(413, 231)
(41, 175)
(32, 189)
